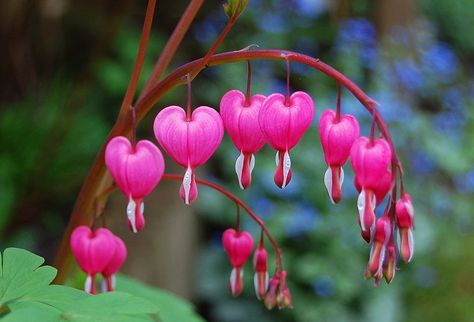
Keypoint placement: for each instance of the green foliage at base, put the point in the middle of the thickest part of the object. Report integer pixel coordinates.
(26, 295)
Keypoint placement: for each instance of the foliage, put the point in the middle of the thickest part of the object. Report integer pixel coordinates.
(26, 295)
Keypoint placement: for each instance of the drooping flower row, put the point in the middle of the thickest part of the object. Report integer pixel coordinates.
(190, 139)
(98, 252)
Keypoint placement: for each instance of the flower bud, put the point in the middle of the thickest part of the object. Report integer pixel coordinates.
(382, 234)
(405, 213)
(261, 274)
(270, 299)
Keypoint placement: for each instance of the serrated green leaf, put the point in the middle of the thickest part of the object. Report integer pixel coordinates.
(171, 307)
(22, 274)
(31, 312)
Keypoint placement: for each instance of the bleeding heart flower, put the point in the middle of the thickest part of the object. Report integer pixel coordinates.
(238, 246)
(260, 277)
(241, 122)
(283, 126)
(190, 143)
(405, 213)
(93, 251)
(337, 136)
(136, 170)
(382, 235)
(370, 161)
(115, 263)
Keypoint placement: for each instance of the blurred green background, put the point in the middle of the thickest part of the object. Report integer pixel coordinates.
(65, 65)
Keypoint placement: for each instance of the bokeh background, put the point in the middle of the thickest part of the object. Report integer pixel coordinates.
(65, 65)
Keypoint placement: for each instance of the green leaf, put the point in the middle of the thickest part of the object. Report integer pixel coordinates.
(171, 307)
(21, 275)
(234, 8)
(113, 307)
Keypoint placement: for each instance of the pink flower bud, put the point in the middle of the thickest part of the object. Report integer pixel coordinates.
(390, 264)
(283, 126)
(115, 263)
(283, 294)
(136, 170)
(270, 299)
(261, 274)
(382, 235)
(241, 122)
(405, 214)
(93, 252)
(238, 246)
(337, 137)
(189, 143)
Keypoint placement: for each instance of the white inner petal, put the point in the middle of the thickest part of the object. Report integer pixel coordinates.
(88, 284)
(252, 163)
(255, 284)
(239, 166)
(103, 285)
(277, 158)
(187, 184)
(142, 208)
(286, 167)
(341, 177)
(411, 243)
(328, 182)
(131, 207)
(361, 207)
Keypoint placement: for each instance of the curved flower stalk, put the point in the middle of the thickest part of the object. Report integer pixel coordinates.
(240, 117)
(189, 140)
(136, 170)
(283, 122)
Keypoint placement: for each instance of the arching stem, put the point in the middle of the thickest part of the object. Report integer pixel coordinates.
(257, 219)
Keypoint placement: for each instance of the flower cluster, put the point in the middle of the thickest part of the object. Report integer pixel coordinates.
(190, 138)
(98, 252)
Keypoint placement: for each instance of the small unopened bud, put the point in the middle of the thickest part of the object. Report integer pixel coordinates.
(261, 274)
(270, 300)
(382, 234)
(390, 264)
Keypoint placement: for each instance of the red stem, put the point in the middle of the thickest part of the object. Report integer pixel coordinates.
(338, 106)
(188, 106)
(132, 85)
(287, 96)
(172, 44)
(249, 83)
(372, 130)
(239, 202)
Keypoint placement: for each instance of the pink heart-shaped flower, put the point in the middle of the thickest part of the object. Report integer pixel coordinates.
(337, 137)
(115, 263)
(283, 126)
(241, 122)
(136, 171)
(189, 143)
(93, 251)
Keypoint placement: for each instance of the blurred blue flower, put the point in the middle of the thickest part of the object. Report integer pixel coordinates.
(311, 8)
(302, 220)
(263, 207)
(273, 22)
(324, 286)
(441, 61)
(409, 74)
(421, 164)
(359, 30)
(465, 182)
